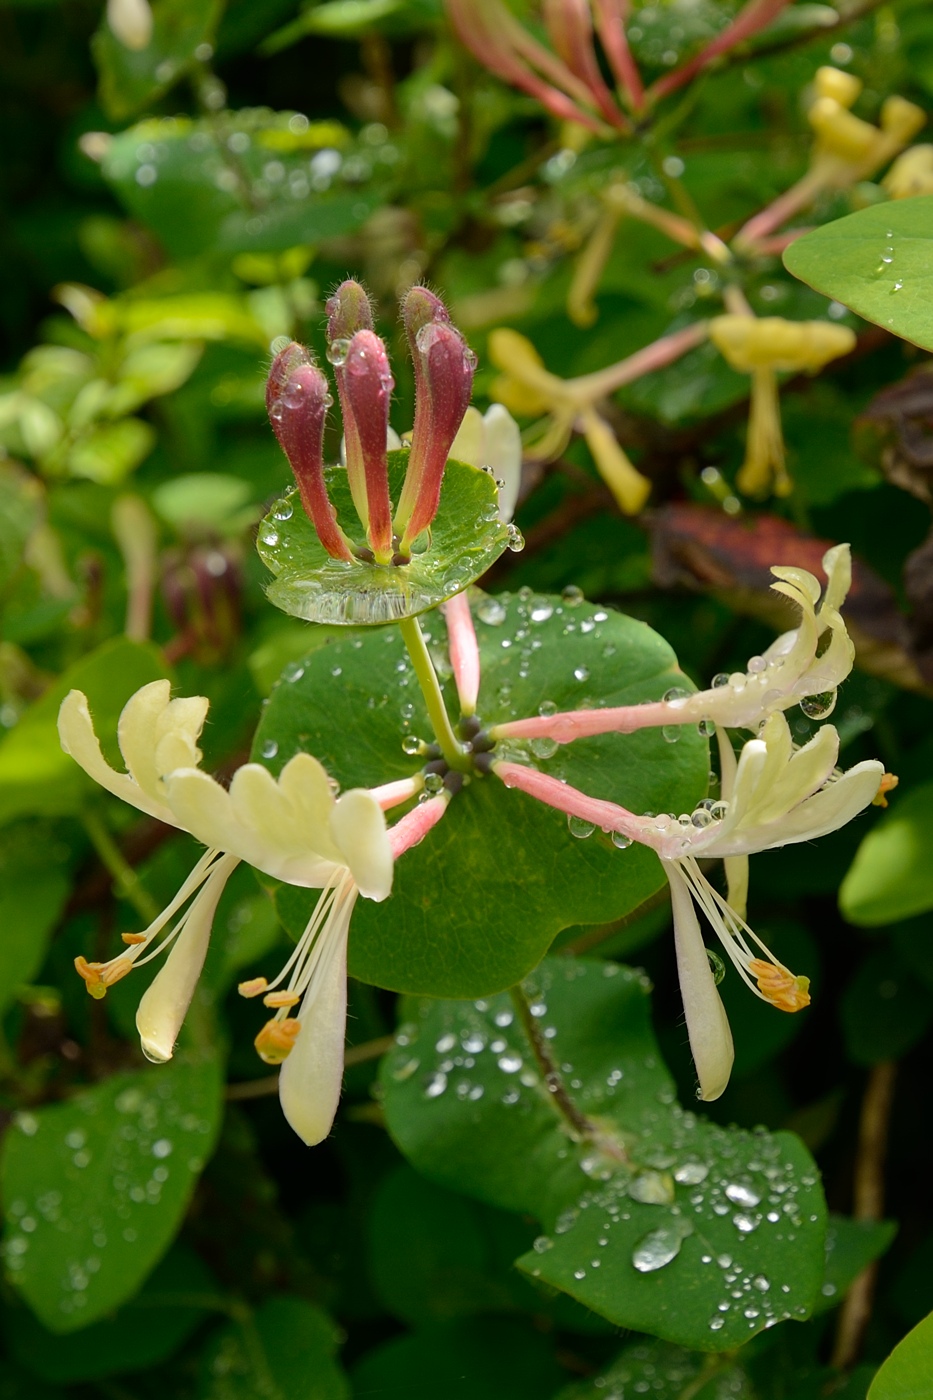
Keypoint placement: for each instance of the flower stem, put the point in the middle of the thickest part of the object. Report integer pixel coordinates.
(431, 690)
(126, 882)
(581, 1127)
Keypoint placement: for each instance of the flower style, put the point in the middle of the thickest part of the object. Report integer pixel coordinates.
(791, 671)
(527, 388)
(292, 828)
(762, 347)
(777, 796)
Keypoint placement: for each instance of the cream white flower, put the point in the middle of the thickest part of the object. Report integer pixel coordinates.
(291, 827)
(492, 439)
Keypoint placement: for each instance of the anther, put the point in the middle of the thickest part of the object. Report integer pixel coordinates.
(779, 986)
(254, 988)
(275, 1041)
(278, 999)
(132, 938)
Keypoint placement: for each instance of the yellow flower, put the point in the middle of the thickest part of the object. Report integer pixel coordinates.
(911, 174)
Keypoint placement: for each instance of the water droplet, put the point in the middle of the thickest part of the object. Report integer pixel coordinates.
(515, 539)
(819, 706)
(671, 733)
(716, 1324)
(572, 595)
(541, 610)
(337, 351)
(491, 611)
(691, 1173)
(510, 1063)
(446, 1042)
(581, 673)
(269, 536)
(435, 1085)
(544, 748)
(282, 510)
(281, 342)
(276, 410)
(580, 828)
(742, 1193)
(411, 744)
(542, 1244)
(621, 841)
(761, 1283)
(269, 748)
(719, 680)
(659, 1247)
(707, 728)
(433, 783)
(746, 1223)
(718, 969)
(652, 1188)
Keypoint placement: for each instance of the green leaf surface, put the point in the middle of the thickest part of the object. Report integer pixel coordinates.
(476, 905)
(851, 1245)
(466, 538)
(908, 1372)
(497, 1358)
(33, 891)
(132, 78)
(94, 1188)
(35, 775)
(284, 1351)
(664, 1372)
(885, 1010)
(891, 877)
(153, 1325)
(658, 1219)
(20, 513)
(879, 262)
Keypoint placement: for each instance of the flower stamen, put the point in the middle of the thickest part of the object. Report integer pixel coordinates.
(779, 986)
(275, 1041)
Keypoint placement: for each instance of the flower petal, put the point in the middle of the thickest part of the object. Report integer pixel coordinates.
(504, 455)
(76, 732)
(707, 1023)
(358, 826)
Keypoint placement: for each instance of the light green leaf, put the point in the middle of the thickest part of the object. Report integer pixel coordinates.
(152, 370)
(20, 513)
(878, 262)
(655, 1218)
(33, 890)
(94, 1189)
(284, 1351)
(146, 1330)
(110, 452)
(891, 877)
(908, 1372)
(132, 78)
(476, 905)
(35, 775)
(466, 538)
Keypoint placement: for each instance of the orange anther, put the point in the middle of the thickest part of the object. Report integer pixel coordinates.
(782, 988)
(254, 987)
(92, 978)
(888, 783)
(132, 938)
(274, 1042)
(277, 999)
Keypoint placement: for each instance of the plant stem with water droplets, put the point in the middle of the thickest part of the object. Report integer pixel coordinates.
(413, 638)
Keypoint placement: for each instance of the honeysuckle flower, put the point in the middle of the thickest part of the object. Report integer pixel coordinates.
(762, 347)
(492, 439)
(793, 670)
(911, 174)
(293, 828)
(846, 149)
(527, 388)
(130, 22)
(297, 398)
(780, 795)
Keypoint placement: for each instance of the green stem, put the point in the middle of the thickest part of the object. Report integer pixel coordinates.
(431, 690)
(126, 882)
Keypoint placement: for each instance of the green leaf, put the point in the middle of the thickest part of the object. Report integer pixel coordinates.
(497, 1358)
(110, 452)
(33, 891)
(477, 904)
(664, 1372)
(20, 513)
(908, 1372)
(35, 775)
(466, 538)
(879, 262)
(94, 1189)
(851, 1245)
(130, 79)
(284, 1351)
(167, 1309)
(247, 181)
(891, 877)
(656, 1218)
(884, 1010)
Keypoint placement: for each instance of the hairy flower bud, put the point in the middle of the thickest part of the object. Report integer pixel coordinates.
(366, 386)
(297, 400)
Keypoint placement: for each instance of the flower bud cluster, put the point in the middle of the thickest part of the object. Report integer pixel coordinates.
(298, 397)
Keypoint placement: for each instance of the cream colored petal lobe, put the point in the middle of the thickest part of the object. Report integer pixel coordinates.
(204, 808)
(261, 806)
(470, 443)
(138, 733)
(358, 826)
(504, 455)
(175, 750)
(707, 1024)
(307, 786)
(311, 1078)
(831, 807)
(837, 566)
(165, 1003)
(76, 733)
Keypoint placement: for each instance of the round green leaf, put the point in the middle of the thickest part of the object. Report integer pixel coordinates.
(891, 877)
(731, 1223)
(879, 262)
(908, 1372)
(477, 904)
(466, 538)
(94, 1189)
(284, 1351)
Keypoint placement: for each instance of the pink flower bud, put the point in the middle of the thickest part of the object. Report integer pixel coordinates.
(366, 385)
(348, 311)
(297, 400)
(444, 366)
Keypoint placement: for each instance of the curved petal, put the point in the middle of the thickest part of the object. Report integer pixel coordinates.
(830, 808)
(76, 732)
(837, 566)
(707, 1024)
(469, 445)
(312, 1076)
(157, 734)
(358, 826)
(504, 455)
(165, 1003)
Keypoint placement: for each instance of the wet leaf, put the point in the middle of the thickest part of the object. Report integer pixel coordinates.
(476, 905)
(94, 1189)
(132, 78)
(891, 877)
(664, 1372)
(659, 1220)
(877, 262)
(466, 538)
(283, 1351)
(908, 1372)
